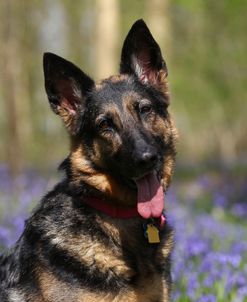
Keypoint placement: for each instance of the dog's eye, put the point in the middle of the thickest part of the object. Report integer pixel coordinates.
(105, 124)
(145, 109)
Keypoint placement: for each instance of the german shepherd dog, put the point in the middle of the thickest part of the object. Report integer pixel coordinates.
(101, 234)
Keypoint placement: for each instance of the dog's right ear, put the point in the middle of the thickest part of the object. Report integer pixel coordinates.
(141, 56)
(67, 88)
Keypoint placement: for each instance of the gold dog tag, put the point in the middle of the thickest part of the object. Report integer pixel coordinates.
(153, 234)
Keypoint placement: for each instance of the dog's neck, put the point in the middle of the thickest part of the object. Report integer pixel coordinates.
(112, 210)
(115, 211)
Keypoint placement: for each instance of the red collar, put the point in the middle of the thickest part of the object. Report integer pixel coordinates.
(113, 211)
(116, 211)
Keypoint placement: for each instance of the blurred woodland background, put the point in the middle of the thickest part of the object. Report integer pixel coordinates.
(204, 43)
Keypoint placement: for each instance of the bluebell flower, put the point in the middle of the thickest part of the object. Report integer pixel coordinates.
(207, 298)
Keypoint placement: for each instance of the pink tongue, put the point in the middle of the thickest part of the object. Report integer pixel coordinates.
(150, 201)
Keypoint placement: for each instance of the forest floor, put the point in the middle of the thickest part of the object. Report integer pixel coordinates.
(207, 209)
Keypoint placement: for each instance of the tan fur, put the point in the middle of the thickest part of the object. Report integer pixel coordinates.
(67, 117)
(168, 130)
(53, 289)
(166, 249)
(118, 78)
(128, 101)
(152, 290)
(162, 83)
(112, 112)
(90, 252)
(82, 171)
(140, 295)
(169, 157)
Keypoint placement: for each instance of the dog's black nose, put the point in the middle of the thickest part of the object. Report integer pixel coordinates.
(147, 158)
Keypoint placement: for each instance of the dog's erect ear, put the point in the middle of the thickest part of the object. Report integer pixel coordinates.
(66, 87)
(141, 55)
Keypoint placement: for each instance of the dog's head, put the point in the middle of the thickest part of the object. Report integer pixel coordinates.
(120, 128)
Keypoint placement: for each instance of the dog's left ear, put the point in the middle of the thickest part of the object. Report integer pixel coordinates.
(67, 88)
(141, 56)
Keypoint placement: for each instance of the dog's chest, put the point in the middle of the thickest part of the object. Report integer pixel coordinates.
(137, 263)
(133, 262)
(115, 262)
(139, 259)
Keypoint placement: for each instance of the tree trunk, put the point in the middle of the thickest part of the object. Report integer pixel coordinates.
(157, 12)
(106, 37)
(14, 84)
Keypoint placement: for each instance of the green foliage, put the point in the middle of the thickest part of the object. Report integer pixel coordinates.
(206, 61)
(208, 77)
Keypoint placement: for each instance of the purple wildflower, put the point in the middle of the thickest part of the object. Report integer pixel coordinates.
(207, 298)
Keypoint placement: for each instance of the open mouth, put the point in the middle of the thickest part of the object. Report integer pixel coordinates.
(150, 197)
